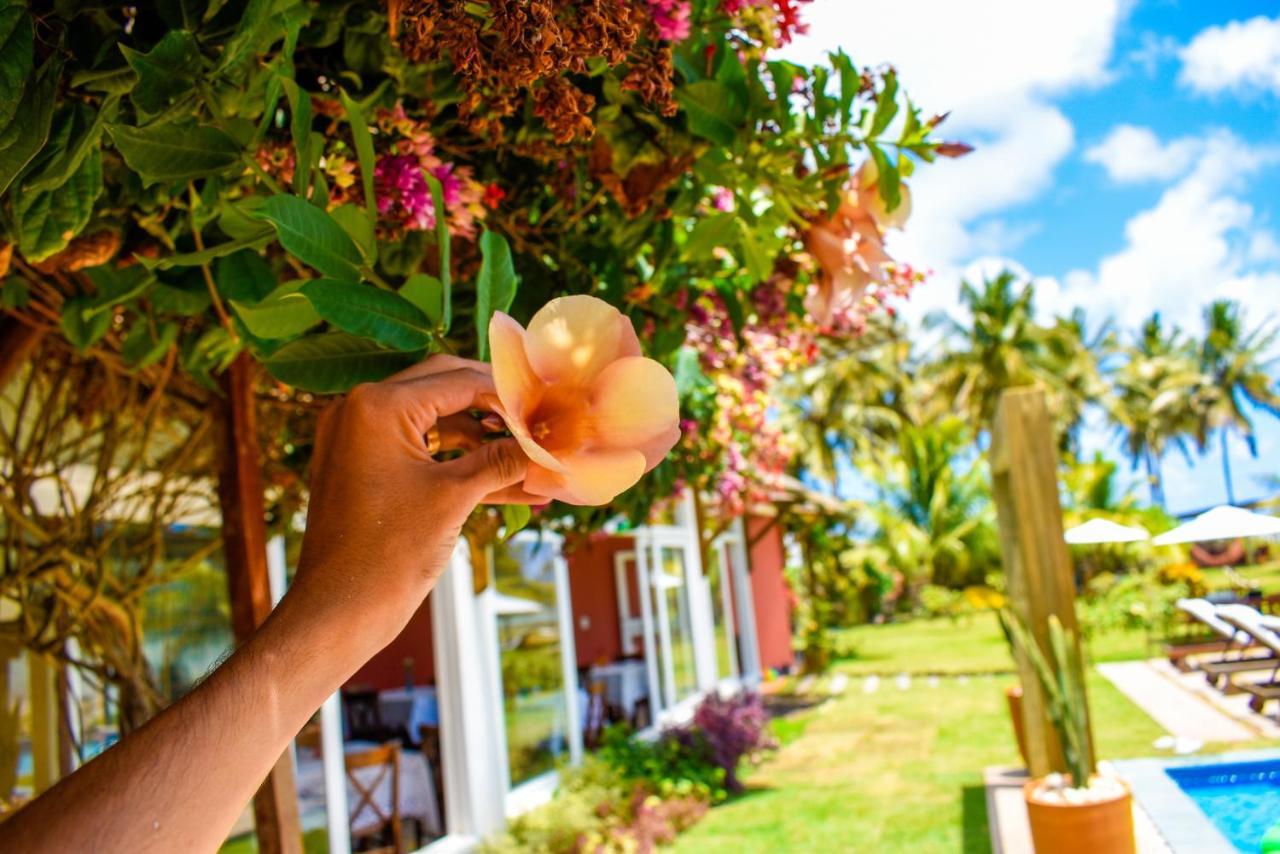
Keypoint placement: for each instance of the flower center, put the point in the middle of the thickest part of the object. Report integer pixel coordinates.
(558, 421)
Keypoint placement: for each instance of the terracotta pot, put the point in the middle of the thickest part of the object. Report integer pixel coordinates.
(1013, 694)
(1103, 827)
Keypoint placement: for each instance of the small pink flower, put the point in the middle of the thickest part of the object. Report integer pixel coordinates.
(671, 17)
(722, 199)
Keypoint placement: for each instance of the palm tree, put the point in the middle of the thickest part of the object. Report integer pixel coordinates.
(1152, 399)
(1238, 365)
(1003, 347)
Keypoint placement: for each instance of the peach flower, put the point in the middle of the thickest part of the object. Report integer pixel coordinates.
(849, 246)
(591, 413)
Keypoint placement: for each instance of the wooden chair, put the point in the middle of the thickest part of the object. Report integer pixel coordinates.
(364, 789)
(309, 737)
(593, 726)
(430, 739)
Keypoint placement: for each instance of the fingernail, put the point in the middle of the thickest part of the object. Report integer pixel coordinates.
(493, 423)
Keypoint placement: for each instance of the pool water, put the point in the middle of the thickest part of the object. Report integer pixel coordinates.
(1242, 799)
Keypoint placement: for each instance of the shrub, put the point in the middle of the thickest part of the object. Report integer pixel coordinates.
(734, 728)
(677, 763)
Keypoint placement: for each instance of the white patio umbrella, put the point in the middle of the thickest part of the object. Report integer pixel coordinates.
(1105, 531)
(1221, 523)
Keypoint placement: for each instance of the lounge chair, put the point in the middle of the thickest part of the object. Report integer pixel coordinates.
(1219, 637)
(1234, 658)
(1261, 629)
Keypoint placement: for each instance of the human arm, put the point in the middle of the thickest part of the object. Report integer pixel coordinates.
(383, 520)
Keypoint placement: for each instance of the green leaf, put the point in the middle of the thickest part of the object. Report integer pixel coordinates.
(443, 243)
(334, 362)
(715, 111)
(364, 153)
(142, 348)
(364, 310)
(886, 105)
(515, 518)
(300, 131)
(114, 286)
(14, 293)
(112, 81)
(758, 262)
(164, 72)
(359, 228)
(187, 298)
(25, 134)
(427, 294)
(850, 84)
(204, 256)
(254, 29)
(174, 152)
(58, 170)
(495, 285)
(47, 221)
(17, 57)
(83, 331)
(244, 276)
(284, 314)
(888, 181)
(313, 237)
(688, 372)
(718, 229)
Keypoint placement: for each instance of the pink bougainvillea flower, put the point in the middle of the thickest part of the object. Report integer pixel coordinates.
(671, 18)
(591, 413)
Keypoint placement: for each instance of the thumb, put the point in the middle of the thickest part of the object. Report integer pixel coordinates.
(491, 467)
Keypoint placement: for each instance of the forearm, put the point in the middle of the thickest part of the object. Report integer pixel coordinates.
(179, 783)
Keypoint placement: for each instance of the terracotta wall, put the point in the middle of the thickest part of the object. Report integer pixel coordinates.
(770, 594)
(592, 590)
(386, 669)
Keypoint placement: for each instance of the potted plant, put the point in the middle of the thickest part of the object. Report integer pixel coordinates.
(1065, 816)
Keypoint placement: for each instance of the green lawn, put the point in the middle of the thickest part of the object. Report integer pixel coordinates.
(972, 644)
(901, 770)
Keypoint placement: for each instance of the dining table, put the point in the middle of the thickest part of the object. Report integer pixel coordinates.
(418, 799)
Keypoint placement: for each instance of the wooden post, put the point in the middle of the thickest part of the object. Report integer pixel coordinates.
(244, 538)
(1037, 566)
(42, 675)
(17, 342)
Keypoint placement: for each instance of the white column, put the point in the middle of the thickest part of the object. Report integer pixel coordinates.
(472, 770)
(701, 621)
(741, 569)
(568, 655)
(644, 587)
(333, 756)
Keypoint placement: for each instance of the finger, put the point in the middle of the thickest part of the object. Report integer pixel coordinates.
(493, 467)
(438, 364)
(419, 403)
(516, 495)
(460, 432)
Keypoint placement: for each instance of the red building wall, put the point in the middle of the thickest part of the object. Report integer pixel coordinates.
(386, 669)
(592, 589)
(770, 593)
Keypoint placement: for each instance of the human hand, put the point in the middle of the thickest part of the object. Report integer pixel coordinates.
(384, 515)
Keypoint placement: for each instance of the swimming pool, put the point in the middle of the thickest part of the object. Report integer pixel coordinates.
(1242, 799)
(1209, 804)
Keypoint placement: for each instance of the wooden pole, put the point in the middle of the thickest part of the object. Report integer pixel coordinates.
(1037, 566)
(17, 342)
(244, 538)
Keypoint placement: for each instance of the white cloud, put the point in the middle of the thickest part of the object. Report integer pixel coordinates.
(995, 69)
(1242, 57)
(1152, 51)
(1200, 241)
(1131, 153)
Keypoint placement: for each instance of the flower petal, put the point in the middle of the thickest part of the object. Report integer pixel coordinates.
(514, 379)
(571, 339)
(535, 452)
(634, 405)
(598, 476)
(591, 477)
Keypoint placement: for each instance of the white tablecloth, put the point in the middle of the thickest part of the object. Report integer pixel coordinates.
(417, 788)
(401, 708)
(625, 683)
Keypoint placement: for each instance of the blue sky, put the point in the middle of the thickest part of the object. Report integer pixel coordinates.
(1127, 161)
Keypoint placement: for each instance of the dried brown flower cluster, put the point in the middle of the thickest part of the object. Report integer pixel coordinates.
(522, 48)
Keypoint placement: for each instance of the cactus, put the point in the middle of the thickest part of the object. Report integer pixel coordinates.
(1061, 677)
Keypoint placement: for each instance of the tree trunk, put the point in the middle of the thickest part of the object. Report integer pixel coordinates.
(17, 342)
(244, 537)
(1226, 465)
